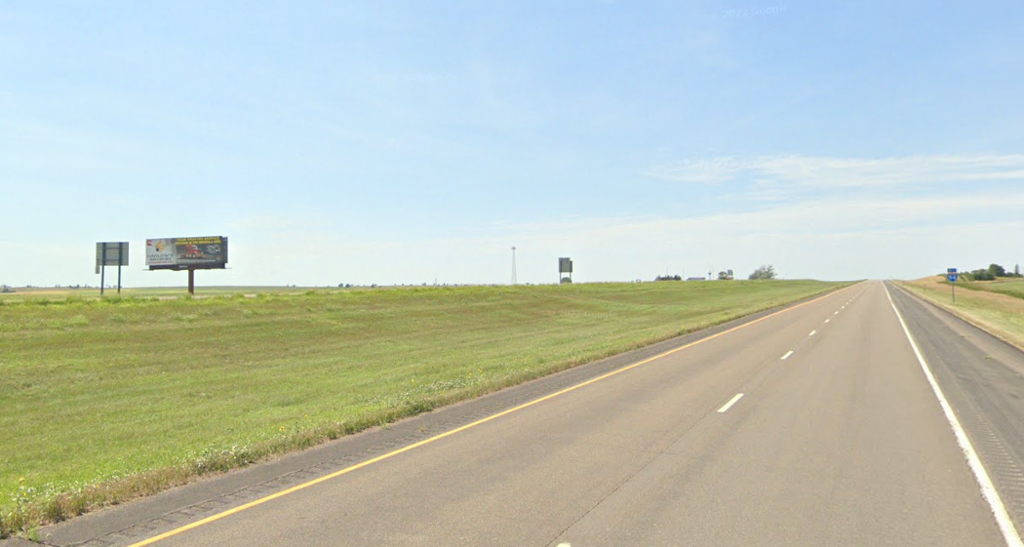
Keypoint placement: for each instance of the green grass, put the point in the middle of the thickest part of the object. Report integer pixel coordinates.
(993, 306)
(107, 400)
(1010, 286)
(53, 293)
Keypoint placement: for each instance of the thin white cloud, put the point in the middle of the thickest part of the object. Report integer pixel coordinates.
(796, 171)
(820, 215)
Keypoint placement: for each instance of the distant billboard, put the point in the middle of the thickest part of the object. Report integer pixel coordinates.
(183, 253)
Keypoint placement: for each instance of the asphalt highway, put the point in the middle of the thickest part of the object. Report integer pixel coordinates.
(815, 426)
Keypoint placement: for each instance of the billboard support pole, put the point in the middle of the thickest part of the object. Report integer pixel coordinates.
(120, 261)
(103, 278)
(192, 281)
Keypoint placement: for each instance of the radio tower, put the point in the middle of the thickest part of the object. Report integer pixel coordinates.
(513, 265)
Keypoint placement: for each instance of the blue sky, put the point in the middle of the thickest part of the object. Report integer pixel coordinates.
(407, 142)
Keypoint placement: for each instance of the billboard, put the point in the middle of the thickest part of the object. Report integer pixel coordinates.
(184, 253)
(111, 254)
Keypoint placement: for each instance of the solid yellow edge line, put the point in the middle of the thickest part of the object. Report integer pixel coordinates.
(460, 429)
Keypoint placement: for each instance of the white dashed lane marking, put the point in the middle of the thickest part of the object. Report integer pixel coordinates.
(725, 408)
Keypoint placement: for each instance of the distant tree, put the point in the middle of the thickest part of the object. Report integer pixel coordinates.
(996, 270)
(766, 271)
(566, 280)
(668, 278)
(981, 275)
(1016, 271)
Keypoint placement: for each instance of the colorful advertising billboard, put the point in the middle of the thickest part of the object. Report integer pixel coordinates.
(183, 253)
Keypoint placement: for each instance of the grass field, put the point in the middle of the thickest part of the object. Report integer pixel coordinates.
(107, 400)
(51, 293)
(998, 306)
(1010, 286)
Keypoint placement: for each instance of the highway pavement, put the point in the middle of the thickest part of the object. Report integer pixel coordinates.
(816, 425)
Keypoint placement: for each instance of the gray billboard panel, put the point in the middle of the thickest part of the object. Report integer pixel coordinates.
(564, 265)
(183, 253)
(111, 254)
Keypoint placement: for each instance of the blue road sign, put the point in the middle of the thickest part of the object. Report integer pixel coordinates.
(951, 275)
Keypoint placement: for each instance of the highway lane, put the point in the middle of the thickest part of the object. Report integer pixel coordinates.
(844, 446)
(983, 378)
(840, 443)
(813, 426)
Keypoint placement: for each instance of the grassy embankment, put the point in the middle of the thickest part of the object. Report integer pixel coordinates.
(996, 306)
(108, 400)
(52, 293)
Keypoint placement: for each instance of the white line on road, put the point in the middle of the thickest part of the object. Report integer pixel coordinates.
(988, 489)
(836, 313)
(828, 320)
(813, 332)
(731, 402)
(786, 356)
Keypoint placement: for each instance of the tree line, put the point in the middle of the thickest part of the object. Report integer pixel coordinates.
(992, 272)
(766, 271)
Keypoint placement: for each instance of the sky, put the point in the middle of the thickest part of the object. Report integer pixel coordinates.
(408, 142)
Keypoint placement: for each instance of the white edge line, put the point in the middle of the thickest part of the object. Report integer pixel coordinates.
(786, 356)
(731, 402)
(828, 320)
(988, 489)
(813, 332)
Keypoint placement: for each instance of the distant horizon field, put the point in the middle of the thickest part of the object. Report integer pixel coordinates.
(109, 399)
(171, 290)
(221, 290)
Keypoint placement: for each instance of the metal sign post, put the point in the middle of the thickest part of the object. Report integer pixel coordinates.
(111, 254)
(564, 266)
(952, 276)
(120, 258)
